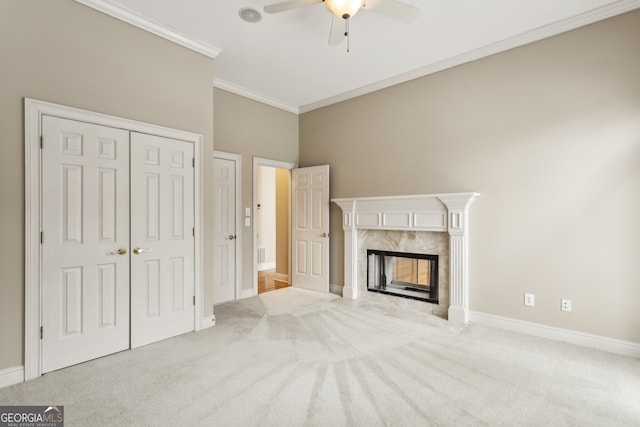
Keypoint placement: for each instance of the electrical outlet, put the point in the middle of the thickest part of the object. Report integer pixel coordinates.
(529, 300)
(566, 304)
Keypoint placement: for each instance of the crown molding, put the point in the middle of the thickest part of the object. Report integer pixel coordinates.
(239, 90)
(151, 26)
(556, 28)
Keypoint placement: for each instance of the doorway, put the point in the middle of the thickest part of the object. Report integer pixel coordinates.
(308, 225)
(272, 227)
(264, 214)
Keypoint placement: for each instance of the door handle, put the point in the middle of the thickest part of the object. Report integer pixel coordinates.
(139, 251)
(324, 235)
(121, 251)
(231, 237)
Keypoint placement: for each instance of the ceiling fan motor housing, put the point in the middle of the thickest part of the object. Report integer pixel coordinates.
(344, 9)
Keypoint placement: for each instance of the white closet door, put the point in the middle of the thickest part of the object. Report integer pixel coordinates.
(162, 221)
(310, 228)
(224, 230)
(85, 224)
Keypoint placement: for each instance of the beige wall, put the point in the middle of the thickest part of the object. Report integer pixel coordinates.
(549, 134)
(266, 214)
(283, 194)
(63, 52)
(253, 129)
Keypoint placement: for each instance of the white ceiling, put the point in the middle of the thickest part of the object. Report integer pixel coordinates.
(284, 59)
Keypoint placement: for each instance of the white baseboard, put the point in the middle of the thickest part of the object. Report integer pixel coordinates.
(266, 266)
(611, 345)
(335, 289)
(246, 293)
(208, 321)
(10, 376)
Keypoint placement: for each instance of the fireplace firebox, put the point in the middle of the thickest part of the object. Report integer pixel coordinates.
(402, 274)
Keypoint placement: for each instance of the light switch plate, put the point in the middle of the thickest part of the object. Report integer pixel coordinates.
(247, 222)
(247, 211)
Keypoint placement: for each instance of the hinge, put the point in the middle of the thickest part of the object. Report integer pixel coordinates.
(41, 142)
(194, 231)
(194, 162)
(41, 332)
(194, 300)
(41, 237)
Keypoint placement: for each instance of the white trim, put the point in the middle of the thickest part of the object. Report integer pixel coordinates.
(258, 161)
(582, 339)
(208, 322)
(32, 273)
(247, 293)
(34, 110)
(239, 90)
(198, 189)
(151, 26)
(237, 158)
(553, 29)
(11, 376)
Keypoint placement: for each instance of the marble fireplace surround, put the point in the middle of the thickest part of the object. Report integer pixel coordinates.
(445, 213)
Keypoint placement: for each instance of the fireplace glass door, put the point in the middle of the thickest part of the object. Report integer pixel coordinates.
(407, 275)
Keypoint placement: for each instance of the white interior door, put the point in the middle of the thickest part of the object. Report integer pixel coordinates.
(85, 225)
(162, 238)
(224, 230)
(310, 228)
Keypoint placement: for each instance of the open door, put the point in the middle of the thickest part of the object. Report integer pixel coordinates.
(310, 228)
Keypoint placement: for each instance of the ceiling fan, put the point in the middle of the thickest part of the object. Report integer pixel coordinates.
(344, 10)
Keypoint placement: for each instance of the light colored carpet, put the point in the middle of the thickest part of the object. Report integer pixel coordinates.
(297, 358)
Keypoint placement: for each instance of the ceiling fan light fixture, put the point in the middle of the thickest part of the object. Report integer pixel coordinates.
(344, 9)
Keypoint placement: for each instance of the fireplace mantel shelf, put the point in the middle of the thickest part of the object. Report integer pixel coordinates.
(447, 212)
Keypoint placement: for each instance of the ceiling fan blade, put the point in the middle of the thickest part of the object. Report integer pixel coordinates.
(338, 28)
(394, 9)
(288, 5)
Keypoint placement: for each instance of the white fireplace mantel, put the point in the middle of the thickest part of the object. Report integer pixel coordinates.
(424, 212)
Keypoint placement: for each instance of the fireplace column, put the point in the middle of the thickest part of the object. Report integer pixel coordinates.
(458, 226)
(350, 289)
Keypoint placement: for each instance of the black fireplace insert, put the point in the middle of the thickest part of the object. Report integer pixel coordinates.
(402, 274)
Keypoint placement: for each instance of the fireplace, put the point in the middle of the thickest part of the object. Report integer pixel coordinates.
(402, 274)
(408, 223)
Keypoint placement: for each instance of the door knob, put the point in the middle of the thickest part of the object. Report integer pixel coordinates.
(324, 235)
(139, 251)
(231, 237)
(121, 251)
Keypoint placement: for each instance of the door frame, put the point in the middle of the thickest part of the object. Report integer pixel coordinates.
(258, 161)
(33, 112)
(237, 159)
